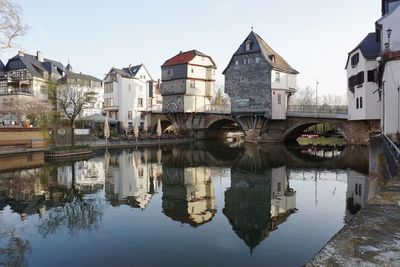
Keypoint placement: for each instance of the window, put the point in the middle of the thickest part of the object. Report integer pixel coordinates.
(355, 59)
(279, 187)
(245, 61)
(236, 62)
(372, 76)
(140, 172)
(248, 45)
(129, 115)
(277, 77)
(192, 84)
(170, 72)
(140, 102)
(356, 81)
(357, 103)
(257, 60)
(279, 99)
(108, 102)
(241, 78)
(361, 104)
(192, 70)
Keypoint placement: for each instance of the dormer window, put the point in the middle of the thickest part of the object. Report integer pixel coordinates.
(248, 45)
(355, 59)
(272, 58)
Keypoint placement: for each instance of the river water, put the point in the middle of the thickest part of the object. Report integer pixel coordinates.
(202, 204)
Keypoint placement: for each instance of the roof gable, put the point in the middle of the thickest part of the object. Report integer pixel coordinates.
(255, 44)
(185, 58)
(369, 47)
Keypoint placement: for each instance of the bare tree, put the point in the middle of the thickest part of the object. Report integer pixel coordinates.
(220, 98)
(304, 97)
(31, 110)
(11, 25)
(334, 100)
(71, 101)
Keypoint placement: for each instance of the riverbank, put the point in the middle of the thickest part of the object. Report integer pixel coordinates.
(101, 144)
(371, 238)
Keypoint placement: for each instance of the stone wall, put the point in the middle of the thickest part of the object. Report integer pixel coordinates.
(249, 84)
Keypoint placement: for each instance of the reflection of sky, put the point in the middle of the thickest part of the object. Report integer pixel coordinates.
(128, 236)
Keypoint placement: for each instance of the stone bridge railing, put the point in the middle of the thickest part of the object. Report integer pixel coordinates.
(318, 109)
(218, 109)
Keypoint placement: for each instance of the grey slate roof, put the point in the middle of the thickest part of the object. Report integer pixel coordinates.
(130, 72)
(79, 76)
(369, 46)
(259, 45)
(37, 68)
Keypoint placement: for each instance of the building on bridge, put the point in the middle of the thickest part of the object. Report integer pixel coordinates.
(361, 66)
(188, 82)
(258, 80)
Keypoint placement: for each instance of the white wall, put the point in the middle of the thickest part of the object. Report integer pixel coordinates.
(286, 80)
(391, 79)
(370, 101)
(279, 108)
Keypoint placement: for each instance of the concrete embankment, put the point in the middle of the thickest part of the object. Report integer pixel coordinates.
(102, 145)
(372, 237)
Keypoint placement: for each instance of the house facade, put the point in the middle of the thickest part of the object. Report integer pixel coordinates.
(28, 76)
(388, 32)
(86, 84)
(258, 80)
(362, 93)
(129, 93)
(188, 82)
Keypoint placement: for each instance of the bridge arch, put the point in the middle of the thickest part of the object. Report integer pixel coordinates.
(218, 126)
(296, 129)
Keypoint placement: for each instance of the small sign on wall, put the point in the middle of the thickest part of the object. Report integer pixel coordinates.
(244, 102)
(82, 131)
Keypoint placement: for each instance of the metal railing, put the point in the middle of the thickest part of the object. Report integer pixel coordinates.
(392, 156)
(324, 109)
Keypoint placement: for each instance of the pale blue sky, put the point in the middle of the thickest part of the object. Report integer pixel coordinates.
(314, 36)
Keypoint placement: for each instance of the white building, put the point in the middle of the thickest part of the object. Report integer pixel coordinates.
(129, 93)
(86, 84)
(188, 82)
(362, 94)
(388, 31)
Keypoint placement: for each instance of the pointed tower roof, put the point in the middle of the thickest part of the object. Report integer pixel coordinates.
(257, 44)
(69, 67)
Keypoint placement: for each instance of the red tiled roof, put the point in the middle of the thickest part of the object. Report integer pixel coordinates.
(180, 58)
(183, 58)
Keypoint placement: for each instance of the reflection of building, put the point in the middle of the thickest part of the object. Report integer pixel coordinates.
(89, 175)
(130, 180)
(248, 205)
(283, 201)
(360, 189)
(188, 195)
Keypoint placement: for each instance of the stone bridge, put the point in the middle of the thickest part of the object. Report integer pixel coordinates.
(258, 129)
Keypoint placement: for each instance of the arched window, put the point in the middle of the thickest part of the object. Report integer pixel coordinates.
(357, 103)
(361, 104)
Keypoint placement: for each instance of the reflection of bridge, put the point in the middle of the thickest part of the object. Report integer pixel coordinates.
(257, 128)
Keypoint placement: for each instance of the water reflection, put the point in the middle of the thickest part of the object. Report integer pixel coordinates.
(131, 179)
(257, 189)
(188, 195)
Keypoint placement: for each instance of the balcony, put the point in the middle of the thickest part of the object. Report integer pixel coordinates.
(110, 108)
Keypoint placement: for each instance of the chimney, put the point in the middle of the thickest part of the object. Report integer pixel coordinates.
(21, 53)
(130, 65)
(39, 56)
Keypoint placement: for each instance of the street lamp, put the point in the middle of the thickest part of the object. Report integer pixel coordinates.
(389, 33)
